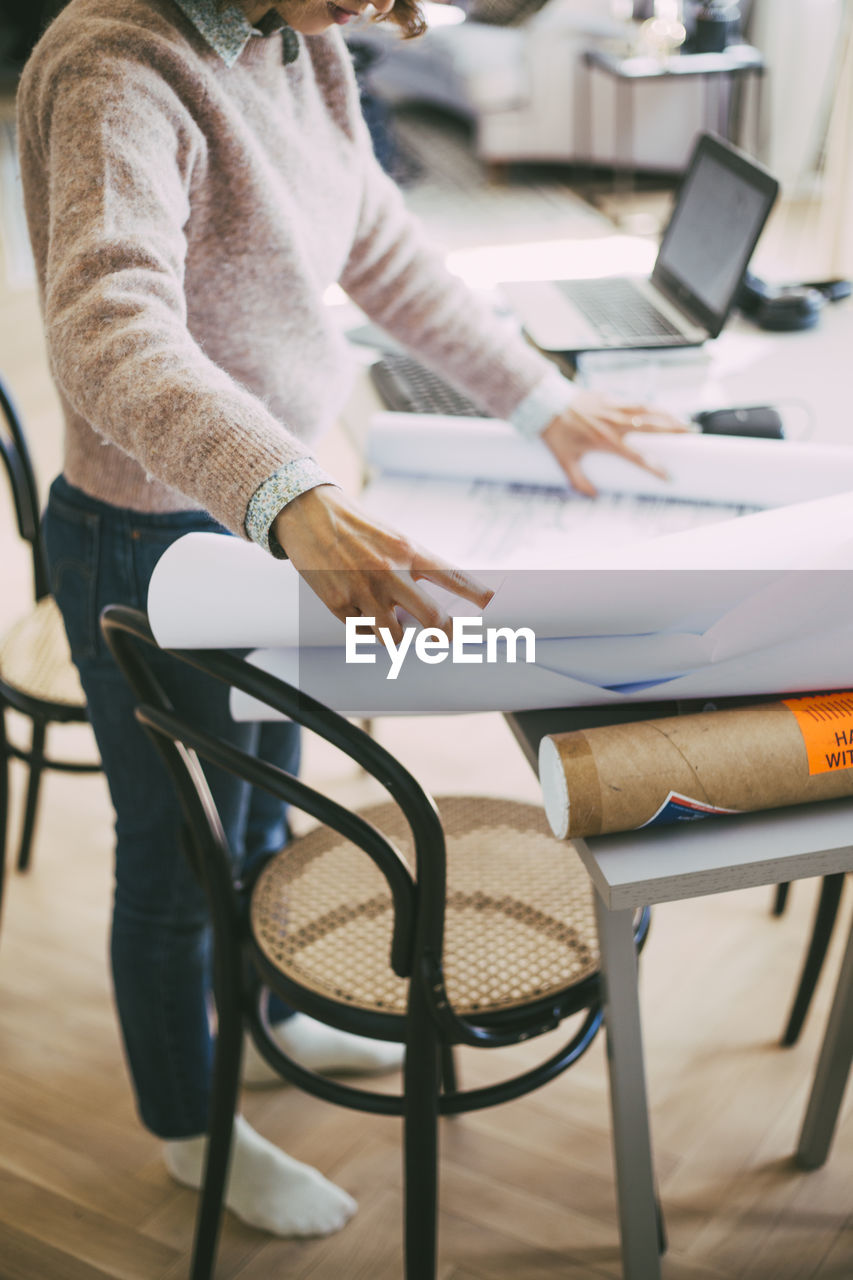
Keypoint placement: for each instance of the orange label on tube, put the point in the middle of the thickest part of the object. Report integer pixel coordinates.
(826, 723)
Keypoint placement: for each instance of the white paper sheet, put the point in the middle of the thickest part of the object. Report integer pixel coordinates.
(210, 591)
(419, 690)
(824, 663)
(490, 525)
(630, 595)
(736, 471)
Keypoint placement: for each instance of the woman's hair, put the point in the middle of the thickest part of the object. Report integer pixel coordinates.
(408, 15)
(405, 13)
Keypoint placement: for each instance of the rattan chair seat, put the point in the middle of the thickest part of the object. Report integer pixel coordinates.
(520, 920)
(35, 658)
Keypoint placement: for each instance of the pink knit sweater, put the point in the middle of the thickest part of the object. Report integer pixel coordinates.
(186, 218)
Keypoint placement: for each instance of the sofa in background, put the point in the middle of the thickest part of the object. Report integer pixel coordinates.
(515, 69)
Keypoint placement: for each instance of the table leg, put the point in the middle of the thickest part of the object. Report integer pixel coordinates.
(761, 126)
(832, 1071)
(631, 1139)
(623, 116)
(725, 88)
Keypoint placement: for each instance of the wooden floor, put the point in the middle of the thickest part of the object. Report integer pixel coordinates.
(527, 1190)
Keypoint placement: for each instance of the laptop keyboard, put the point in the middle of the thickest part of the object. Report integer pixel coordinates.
(406, 386)
(620, 311)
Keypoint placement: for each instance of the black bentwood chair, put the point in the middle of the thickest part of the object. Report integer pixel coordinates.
(461, 923)
(37, 677)
(824, 920)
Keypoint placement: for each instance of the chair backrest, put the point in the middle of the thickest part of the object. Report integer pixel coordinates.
(19, 468)
(418, 901)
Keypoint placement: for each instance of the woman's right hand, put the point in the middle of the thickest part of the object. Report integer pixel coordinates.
(358, 567)
(595, 422)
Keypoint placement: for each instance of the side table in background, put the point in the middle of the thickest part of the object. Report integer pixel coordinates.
(722, 75)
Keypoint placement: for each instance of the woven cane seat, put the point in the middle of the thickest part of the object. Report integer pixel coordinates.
(35, 658)
(520, 920)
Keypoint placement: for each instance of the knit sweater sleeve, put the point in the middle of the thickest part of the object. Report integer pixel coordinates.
(119, 151)
(403, 284)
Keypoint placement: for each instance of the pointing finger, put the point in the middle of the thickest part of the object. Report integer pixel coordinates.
(454, 580)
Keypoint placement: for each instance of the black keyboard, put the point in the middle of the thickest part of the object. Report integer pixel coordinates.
(618, 310)
(406, 386)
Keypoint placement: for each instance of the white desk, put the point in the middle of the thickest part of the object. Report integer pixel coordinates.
(745, 366)
(630, 870)
(635, 869)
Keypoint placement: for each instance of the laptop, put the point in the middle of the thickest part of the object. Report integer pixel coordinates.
(721, 207)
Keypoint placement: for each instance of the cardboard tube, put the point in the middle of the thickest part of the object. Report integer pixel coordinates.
(620, 777)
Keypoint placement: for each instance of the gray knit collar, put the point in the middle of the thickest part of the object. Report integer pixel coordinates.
(227, 30)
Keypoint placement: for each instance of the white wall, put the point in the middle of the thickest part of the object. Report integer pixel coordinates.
(800, 40)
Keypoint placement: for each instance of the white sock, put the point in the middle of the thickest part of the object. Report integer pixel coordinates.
(266, 1187)
(320, 1048)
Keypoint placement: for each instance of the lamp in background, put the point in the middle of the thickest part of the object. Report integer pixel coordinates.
(717, 23)
(663, 33)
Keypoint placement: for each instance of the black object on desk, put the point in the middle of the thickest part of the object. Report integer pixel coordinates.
(832, 290)
(751, 420)
(788, 307)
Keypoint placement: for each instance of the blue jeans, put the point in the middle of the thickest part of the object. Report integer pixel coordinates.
(99, 555)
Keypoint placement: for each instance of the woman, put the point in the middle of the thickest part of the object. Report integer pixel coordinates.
(196, 174)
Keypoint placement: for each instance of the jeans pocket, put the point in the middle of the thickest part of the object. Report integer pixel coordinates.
(71, 539)
(151, 538)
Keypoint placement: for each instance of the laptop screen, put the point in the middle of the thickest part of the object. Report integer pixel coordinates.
(721, 208)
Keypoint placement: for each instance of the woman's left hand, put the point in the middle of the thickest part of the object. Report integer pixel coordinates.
(594, 421)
